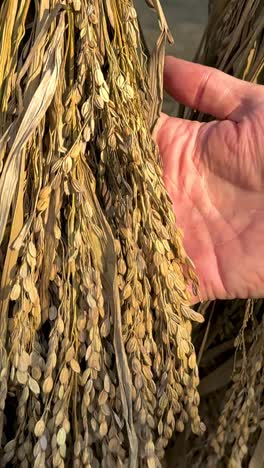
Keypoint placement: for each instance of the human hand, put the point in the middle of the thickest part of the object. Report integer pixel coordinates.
(214, 174)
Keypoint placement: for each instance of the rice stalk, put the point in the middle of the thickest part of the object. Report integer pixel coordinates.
(97, 364)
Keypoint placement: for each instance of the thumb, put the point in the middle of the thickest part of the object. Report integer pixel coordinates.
(207, 89)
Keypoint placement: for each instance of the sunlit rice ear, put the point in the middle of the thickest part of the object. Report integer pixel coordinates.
(97, 364)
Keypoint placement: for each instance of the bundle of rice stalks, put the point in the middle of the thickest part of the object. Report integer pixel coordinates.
(97, 367)
(231, 344)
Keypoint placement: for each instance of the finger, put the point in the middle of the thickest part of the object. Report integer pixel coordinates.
(161, 121)
(206, 89)
(171, 129)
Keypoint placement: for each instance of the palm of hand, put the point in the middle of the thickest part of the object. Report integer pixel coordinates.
(214, 174)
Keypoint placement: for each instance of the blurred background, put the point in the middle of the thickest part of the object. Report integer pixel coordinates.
(186, 19)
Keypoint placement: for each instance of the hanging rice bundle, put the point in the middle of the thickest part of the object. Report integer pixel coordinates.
(97, 366)
(231, 343)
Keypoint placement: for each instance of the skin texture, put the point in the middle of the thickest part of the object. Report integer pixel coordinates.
(214, 174)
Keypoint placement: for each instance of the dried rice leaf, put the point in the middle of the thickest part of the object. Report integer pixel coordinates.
(32, 117)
